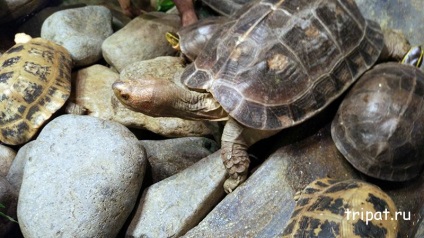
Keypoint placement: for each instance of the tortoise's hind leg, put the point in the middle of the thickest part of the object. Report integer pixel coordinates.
(236, 139)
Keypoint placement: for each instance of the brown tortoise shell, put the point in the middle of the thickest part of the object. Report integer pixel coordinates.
(278, 63)
(379, 126)
(35, 81)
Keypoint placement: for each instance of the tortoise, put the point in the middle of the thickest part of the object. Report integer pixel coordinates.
(35, 81)
(272, 65)
(379, 126)
(331, 208)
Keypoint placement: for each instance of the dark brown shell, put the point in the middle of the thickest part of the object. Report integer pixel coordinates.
(325, 209)
(35, 81)
(283, 61)
(379, 126)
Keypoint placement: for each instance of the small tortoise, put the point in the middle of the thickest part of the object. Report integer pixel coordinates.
(379, 126)
(35, 81)
(272, 65)
(328, 208)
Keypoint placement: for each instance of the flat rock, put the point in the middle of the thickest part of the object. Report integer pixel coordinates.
(168, 157)
(93, 90)
(7, 155)
(83, 41)
(172, 206)
(85, 174)
(262, 205)
(141, 39)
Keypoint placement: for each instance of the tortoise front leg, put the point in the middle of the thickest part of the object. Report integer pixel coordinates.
(235, 141)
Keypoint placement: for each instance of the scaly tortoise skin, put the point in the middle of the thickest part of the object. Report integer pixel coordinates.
(379, 127)
(34, 83)
(271, 65)
(325, 209)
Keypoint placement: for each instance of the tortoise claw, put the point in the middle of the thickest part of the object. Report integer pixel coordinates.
(232, 183)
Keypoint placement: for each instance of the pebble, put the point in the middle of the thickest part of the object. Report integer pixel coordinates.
(172, 206)
(141, 39)
(168, 157)
(82, 176)
(6, 159)
(81, 31)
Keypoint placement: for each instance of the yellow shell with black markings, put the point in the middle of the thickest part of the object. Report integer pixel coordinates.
(35, 81)
(330, 208)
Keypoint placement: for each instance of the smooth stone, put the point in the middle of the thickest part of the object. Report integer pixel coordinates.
(33, 26)
(172, 206)
(168, 157)
(16, 171)
(82, 177)
(93, 90)
(262, 206)
(141, 39)
(9, 199)
(83, 41)
(7, 155)
(11, 10)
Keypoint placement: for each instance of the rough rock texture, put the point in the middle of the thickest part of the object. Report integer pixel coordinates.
(11, 10)
(9, 199)
(168, 157)
(262, 205)
(6, 158)
(141, 39)
(172, 206)
(82, 176)
(83, 41)
(94, 92)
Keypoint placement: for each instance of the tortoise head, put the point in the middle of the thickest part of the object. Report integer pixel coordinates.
(163, 98)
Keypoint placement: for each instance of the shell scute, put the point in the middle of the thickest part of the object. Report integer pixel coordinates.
(286, 59)
(34, 83)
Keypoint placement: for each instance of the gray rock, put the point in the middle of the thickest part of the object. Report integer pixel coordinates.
(82, 177)
(81, 31)
(262, 205)
(141, 39)
(172, 206)
(93, 91)
(6, 158)
(404, 15)
(168, 157)
(9, 199)
(16, 171)
(11, 10)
